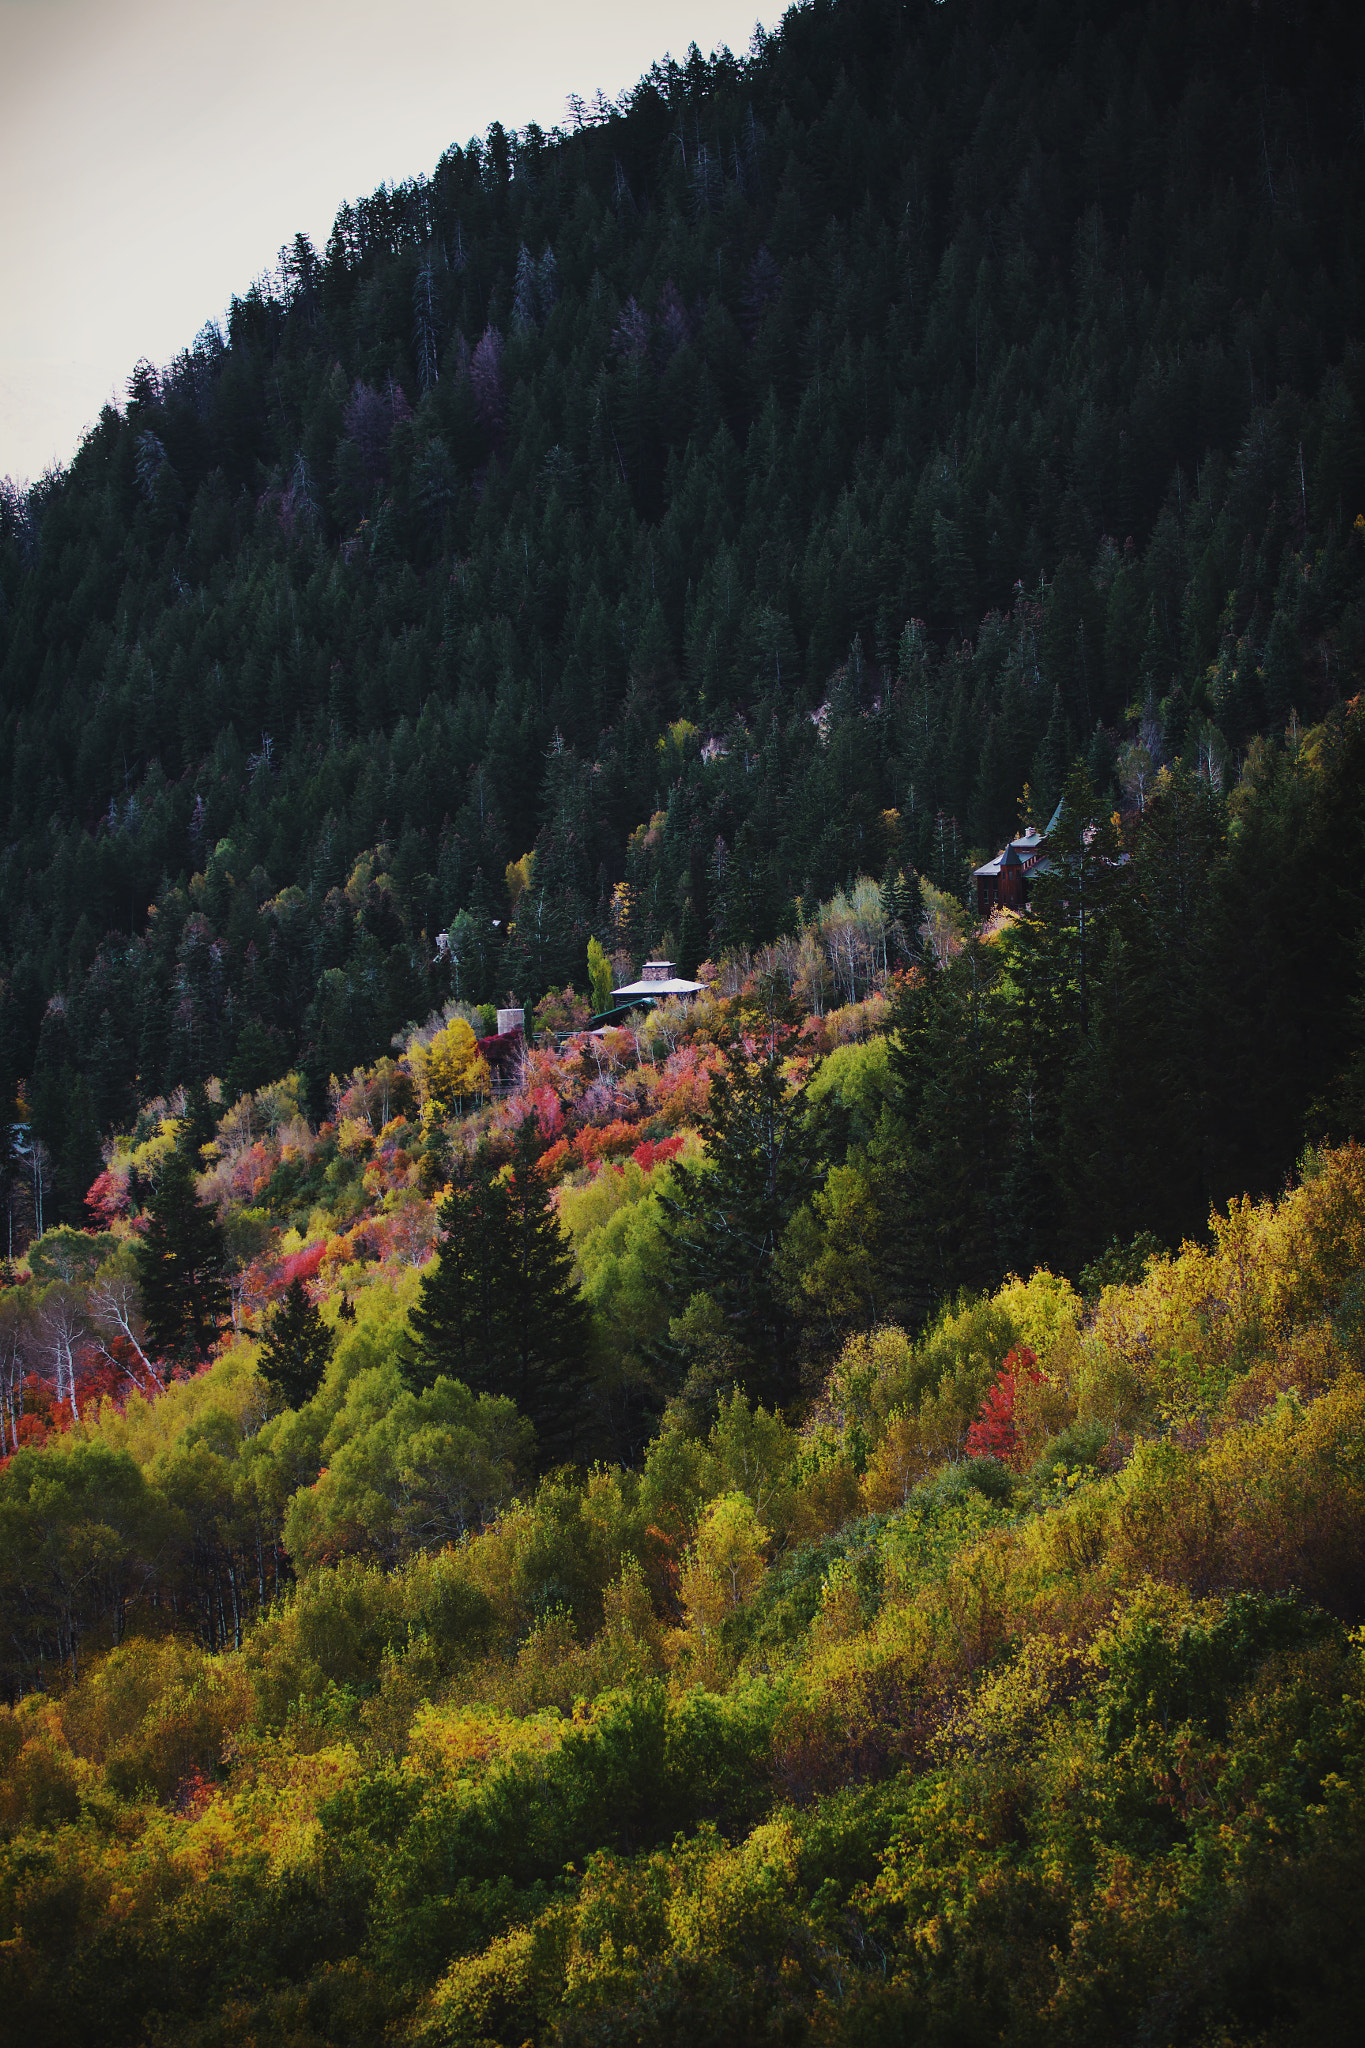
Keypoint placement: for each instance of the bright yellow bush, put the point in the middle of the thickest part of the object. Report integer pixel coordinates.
(511, 1992)
(278, 1786)
(450, 1068)
(157, 1713)
(1045, 1311)
(1199, 1320)
(725, 1564)
(464, 1741)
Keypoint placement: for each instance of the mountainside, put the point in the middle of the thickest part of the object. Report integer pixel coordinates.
(933, 395)
(830, 1510)
(1044, 1727)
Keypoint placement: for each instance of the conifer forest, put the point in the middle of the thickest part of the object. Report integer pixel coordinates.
(829, 1510)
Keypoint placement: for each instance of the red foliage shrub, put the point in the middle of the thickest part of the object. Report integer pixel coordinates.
(99, 1380)
(302, 1265)
(549, 1111)
(596, 1141)
(649, 1154)
(551, 1162)
(993, 1434)
(108, 1198)
(193, 1794)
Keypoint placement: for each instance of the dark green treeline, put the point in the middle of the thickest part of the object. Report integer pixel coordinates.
(935, 394)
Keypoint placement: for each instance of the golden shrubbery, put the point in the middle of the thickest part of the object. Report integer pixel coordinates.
(803, 1613)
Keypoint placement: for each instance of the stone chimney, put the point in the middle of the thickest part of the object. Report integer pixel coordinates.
(657, 970)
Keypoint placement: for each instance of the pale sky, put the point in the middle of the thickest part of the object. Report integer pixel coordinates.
(155, 154)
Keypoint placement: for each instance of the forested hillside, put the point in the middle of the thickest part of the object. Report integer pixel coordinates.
(930, 396)
(1014, 1695)
(826, 1514)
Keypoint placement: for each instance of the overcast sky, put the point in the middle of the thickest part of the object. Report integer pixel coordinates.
(155, 154)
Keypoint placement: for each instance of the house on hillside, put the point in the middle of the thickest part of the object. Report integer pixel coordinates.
(1004, 883)
(657, 980)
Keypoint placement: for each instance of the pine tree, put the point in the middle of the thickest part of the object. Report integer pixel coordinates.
(499, 1309)
(182, 1266)
(950, 1097)
(199, 1122)
(296, 1346)
(546, 1316)
(1050, 759)
(454, 1325)
(903, 909)
(729, 1214)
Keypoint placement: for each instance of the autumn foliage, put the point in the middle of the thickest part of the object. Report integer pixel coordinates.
(776, 1690)
(994, 1434)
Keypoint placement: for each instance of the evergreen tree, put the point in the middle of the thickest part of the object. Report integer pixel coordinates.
(728, 1213)
(951, 1098)
(182, 1267)
(296, 1346)
(499, 1309)
(545, 1317)
(199, 1122)
(1049, 761)
(461, 1303)
(903, 909)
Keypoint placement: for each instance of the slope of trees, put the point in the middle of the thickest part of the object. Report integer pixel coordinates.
(932, 395)
(422, 1304)
(1175, 1018)
(702, 531)
(1016, 1694)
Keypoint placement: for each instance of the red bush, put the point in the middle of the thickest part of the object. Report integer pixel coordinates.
(654, 1150)
(302, 1265)
(549, 1111)
(108, 1198)
(993, 1434)
(551, 1162)
(595, 1141)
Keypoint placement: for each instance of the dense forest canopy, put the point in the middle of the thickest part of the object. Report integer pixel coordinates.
(928, 397)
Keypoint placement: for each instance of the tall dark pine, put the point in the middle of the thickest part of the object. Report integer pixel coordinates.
(943, 1180)
(456, 1323)
(296, 1345)
(499, 1309)
(729, 1214)
(182, 1262)
(546, 1316)
(903, 908)
(200, 1120)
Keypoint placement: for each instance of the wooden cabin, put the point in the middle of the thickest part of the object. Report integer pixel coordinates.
(1004, 883)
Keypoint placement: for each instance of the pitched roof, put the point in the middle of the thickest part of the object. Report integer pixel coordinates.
(1023, 852)
(658, 988)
